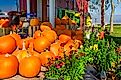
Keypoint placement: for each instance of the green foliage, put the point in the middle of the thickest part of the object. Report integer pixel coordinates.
(72, 69)
(101, 52)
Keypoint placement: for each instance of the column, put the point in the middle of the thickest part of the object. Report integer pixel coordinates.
(52, 12)
(28, 8)
(44, 10)
(39, 9)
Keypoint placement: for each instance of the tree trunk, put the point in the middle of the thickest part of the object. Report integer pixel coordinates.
(103, 13)
(111, 16)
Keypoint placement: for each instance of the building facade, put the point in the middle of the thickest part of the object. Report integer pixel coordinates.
(47, 10)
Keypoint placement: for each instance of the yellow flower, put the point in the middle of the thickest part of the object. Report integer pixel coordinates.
(95, 47)
(91, 47)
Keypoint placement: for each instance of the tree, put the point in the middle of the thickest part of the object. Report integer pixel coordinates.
(105, 4)
(102, 13)
(111, 16)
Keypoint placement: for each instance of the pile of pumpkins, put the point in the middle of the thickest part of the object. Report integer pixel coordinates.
(26, 56)
(61, 28)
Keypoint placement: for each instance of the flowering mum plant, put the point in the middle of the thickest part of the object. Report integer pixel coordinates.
(68, 68)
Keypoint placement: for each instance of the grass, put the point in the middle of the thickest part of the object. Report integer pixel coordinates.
(116, 35)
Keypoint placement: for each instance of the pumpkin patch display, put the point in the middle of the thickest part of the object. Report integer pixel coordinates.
(7, 44)
(8, 66)
(29, 66)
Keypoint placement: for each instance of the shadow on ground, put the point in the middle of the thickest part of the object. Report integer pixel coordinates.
(117, 40)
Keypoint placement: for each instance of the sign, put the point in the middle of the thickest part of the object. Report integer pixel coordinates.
(70, 13)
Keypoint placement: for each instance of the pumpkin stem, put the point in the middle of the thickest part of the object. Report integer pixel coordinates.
(11, 32)
(24, 48)
(31, 46)
(7, 55)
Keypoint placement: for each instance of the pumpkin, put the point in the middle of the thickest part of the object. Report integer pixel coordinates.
(1, 21)
(8, 66)
(7, 44)
(47, 24)
(45, 57)
(73, 22)
(20, 54)
(5, 23)
(79, 32)
(65, 20)
(64, 38)
(50, 35)
(57, 21)
(29, 66)
(77, 43)
(67, 32)
(68, 47)
(60, 27)
(37, 34)
(16, 37)
(31, 51)
(20, 43)
(41, 43)
(56, 49)
(44, 27)
(34, 22)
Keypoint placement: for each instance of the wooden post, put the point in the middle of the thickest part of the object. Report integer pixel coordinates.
(44, 10)
(3, 31)
(30, 31)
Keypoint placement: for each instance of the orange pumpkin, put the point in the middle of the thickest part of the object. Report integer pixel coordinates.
(20, 54)
(31, 51)
(34, 22)
(57, 21)
(5, 23)
(1, 21)
(7, 44)
(8, 66)
(56, 49)
(29, 66)
(60, 27)
(47, 24)
(41, 43)
(45, 57)
(44, 27)
(37, 34)
(68, 47)
(64, 38)
(65, 20)
(50, 35)
(20, 43)
(73, 22)
(67, 32)
(77, 43)
(16, 37)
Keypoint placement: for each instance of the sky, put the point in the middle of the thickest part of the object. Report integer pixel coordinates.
(8, 5)
(96, 15)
